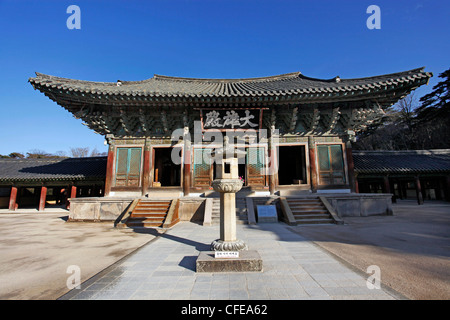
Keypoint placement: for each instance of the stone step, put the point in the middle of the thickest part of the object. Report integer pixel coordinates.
(147, 219)
(241, 211)
(308, 211)
(308, 207)
(315, 221)
(309, 203)
(147, 205)
(153, 204)
(144, 224)
(311, 216)
(148, 213)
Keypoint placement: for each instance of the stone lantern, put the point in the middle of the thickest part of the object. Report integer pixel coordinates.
(229, 253)
(227, 184)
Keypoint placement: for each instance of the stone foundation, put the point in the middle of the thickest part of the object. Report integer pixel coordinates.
(248, 261)
(193, 208)
(110, 208)
(97, 209)
(361, 204)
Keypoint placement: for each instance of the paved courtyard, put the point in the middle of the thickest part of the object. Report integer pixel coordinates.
(412, 249)
(36, 250)
(293, 269)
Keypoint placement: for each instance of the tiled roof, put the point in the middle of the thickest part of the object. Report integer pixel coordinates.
(291, 84)
(413, 161)
(52, 169)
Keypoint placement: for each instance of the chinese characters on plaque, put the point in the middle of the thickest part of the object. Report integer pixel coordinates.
(231, 119)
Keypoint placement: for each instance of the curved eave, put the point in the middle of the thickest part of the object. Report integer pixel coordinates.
(47, 178)
(199, 91)
(385, 95)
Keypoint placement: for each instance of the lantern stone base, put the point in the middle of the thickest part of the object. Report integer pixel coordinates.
(220, 245)
(248, 261)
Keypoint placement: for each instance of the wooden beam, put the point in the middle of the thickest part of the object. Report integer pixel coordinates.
(315, 119)
(293, 119)
(124, 121)
(335, 116)
(164, 121)
(142, 120)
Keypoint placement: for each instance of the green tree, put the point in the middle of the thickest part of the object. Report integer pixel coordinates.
(437, 103)
(432, 129)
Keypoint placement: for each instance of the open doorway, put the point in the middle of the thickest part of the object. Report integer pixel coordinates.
(242, 169)
(166, 172)
(291, 165)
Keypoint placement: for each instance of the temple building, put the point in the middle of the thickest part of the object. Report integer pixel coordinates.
(297, 131)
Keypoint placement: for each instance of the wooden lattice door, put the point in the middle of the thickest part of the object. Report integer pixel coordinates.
(128, 167)
(202, 167)
(331, 164)
(256, 167)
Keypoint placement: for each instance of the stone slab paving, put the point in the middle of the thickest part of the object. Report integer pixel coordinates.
(293, 268)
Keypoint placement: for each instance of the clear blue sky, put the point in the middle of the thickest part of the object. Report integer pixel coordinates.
(132, 40)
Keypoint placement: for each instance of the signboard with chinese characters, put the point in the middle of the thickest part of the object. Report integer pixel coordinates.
(231, 119)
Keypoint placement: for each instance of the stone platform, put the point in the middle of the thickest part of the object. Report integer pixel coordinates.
(248, 261)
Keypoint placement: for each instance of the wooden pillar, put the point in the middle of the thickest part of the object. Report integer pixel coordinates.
(312, 163)
(418, 190)
(386, 185)
(42, 198)
(71, 193)
(109, 170)
(356, 184)
(273, 167)
(350, 166)
(67, 195)
(403, 185)
(186, 163)
(13, 199)
(447, 188)
(146, 170)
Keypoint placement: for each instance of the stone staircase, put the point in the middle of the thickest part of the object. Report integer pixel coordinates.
(241, 211)
(215, 213)
(309, 211)
(148, 213)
